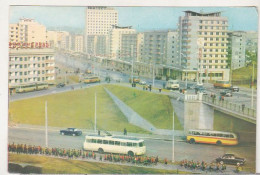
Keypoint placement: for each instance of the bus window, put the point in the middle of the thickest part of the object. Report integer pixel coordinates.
(213, 134)
(89, 140)
(111, 142)
(141, 144)
(123, 143)
(232, 136)
(94, 140)
(129, 144)
(105, 142)
(134, 144)
(226, 135)
(99, 141)
(220, 135)
(117, 143)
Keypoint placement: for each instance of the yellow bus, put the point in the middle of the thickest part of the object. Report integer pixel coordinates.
(222, 84)
(212, 137)
(136, 79)
(31, 87)
(114, 144)
(92, 79)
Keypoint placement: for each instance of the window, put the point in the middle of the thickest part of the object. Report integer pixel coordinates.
(105, 141)
(123, 143)
(129, 144)
(111, 142)
(117, 143)
(99, 141)
(134, 144)
(94, 141)
(141, 144)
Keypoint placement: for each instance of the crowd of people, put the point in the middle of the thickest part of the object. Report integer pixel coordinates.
(74, 153)
(204, 166)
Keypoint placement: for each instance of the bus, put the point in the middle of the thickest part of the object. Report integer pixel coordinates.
(31, 87)
(92, 79)
(222, 84)
(114, 144)
(172, 85)
(136, 79)
(212, 137)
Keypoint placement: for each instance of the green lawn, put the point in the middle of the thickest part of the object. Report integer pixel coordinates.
(155, 108)
(72, 109)
(244, 73)
(64, 166)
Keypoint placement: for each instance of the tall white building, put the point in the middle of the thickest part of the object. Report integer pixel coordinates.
(203, 44)
(27, 31)
(99, 21)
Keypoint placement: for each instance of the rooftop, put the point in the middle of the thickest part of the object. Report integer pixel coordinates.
(192, 13)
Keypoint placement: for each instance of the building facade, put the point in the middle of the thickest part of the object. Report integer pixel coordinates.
(31, 66)
(237, 49)
(203, 44)
(115, 41)
(27, 31)
(131, 46)
(99, 21)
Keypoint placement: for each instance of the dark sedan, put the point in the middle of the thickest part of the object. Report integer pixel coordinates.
(231, 159)
(71, 131)
(60, 85)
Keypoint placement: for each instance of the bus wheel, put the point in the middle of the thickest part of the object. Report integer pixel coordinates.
(219, 143)
(130, 153)
(100, 150)
(192, 141)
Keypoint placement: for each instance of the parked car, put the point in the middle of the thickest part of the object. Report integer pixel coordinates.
(142, 82)
(234, 89)
(231, 159)
(71, 131)
(60, 85)
(226, 93)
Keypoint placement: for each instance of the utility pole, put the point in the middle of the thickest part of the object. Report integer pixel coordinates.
(95, 127)
(132, 55)
(153, 73)
(252, 95)
(173, 159)
(46, 125)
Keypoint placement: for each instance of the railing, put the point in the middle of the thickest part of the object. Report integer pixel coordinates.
(230, 106)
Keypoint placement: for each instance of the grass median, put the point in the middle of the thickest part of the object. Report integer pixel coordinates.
(65, 166)
(72, 109)
(155, 108)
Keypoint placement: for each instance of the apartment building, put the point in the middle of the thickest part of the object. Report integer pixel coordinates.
(131, 46)
(237, 49)
(27, 31)
(203, 44)
(115, 40)
(31, 65)
(99, 21)
(160, 47)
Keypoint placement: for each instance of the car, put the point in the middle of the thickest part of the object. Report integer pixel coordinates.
(234, 89)
(200, 89)
(142, 82)
(60, 85)
(230, 159)
(226, 93)
(71, 131)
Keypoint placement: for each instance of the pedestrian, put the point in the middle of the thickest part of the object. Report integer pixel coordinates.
(100, 158)
(125, 131)
(165, 161)
(143, 87)
(99, 132)
(222, 97)
(243, 107)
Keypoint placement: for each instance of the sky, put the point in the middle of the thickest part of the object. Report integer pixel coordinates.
(141, 18)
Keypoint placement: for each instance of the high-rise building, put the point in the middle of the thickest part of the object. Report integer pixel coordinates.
(237, 49)
(160, 47)
(27, 31)
(115, 40)
(203, 44)
(99, 21)
(131, 46)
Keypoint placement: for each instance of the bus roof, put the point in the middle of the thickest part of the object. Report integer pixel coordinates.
(114, 137)
(210, 131)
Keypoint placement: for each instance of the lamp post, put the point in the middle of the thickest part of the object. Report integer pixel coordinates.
(132, 55)
(252, 97)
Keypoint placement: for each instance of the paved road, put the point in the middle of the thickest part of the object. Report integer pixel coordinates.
(161, 147)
